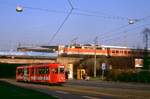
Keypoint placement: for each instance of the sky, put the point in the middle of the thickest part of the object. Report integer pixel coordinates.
(42, 22)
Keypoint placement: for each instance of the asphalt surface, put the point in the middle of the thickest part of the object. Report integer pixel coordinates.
(80, 89)
(109, 84)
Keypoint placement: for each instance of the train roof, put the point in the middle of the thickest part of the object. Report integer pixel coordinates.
(40, 65)
(108, 46)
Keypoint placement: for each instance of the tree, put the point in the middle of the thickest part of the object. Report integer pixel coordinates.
(146, 33)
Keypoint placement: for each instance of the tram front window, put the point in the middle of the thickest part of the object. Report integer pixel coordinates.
(61, 69)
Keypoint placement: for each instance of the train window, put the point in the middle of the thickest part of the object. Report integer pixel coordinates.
(77, 47)
(113, 51)
(129, 52)
(117, 51)
(99, 48)
(125, 52)
(121, 52)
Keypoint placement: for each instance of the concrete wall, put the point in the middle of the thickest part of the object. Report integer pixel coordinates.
(68, 60)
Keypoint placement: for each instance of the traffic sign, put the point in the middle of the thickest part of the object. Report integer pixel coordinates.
(103, 66)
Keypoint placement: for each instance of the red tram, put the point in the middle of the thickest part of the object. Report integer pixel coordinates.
(52, 73)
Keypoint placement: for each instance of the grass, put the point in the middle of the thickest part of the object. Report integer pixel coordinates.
(8, 91)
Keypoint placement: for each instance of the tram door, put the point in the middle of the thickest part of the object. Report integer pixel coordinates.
(25, 74)
(53, 75)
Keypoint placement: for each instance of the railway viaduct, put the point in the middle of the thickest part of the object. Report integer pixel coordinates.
(8, 65)
(63, 60)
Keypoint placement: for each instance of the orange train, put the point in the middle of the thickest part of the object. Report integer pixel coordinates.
(102, 51)
(52, 73)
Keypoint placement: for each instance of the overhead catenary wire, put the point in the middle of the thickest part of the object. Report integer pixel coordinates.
(82, 12)
(70, 4)
(115, 38)
(105, 16)
(46, 10)
(97, 13)
(120, 33)
(86, 13)
(61, 25)
(144, 18)
(124, 26)
(63, 22)
(114, 30)
(89, 13)
(112, 36)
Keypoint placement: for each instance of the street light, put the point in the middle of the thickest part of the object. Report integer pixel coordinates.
(131, 21)
(19, 8)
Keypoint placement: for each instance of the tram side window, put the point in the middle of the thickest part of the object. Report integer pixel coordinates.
(28, 71)
(58, 70)
(43, 70)
(47, 70)
(32, 71)
(20, 71)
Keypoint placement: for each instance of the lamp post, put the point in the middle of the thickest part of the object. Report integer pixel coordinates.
(95, 44)
(146, 33)
(95, 61)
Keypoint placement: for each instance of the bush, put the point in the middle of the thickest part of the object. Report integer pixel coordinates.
(113, 75)
(128, 76)
(144, 76)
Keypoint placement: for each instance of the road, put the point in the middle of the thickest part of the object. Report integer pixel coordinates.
(79, 89)
(106, 84)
